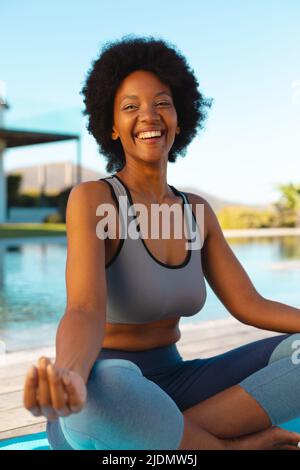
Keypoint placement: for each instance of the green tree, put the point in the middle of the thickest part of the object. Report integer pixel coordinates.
(13, 188)
(288, 205)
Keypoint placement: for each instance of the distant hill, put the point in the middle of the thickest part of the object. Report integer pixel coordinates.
(54, 177)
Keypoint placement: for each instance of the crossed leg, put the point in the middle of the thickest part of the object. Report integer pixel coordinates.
(229, 414)
(258, 401)
(120, 412)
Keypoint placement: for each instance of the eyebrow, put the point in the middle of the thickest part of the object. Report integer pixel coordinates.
(157, 94)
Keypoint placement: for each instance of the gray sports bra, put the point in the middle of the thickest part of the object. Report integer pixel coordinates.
(142, 289)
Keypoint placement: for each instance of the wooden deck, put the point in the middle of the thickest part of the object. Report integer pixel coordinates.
(203, 340)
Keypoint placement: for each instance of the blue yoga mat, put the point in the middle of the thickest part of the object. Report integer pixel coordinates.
(39, 440)
(36, 441)
(293, 425)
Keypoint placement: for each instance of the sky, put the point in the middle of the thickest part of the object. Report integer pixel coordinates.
(245, 56)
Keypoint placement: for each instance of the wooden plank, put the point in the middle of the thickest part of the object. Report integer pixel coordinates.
(16, 418)
(220, 328)
(212, 340)
(201, 344)
(27, 355)
(11, 400)
(23, 431)
(15, 370)
(12, 384)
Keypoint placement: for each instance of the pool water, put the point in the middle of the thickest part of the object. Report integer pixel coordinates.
(33, 292)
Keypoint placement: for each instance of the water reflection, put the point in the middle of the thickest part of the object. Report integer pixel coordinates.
(32, 283)
(288, 247)
(33, 291)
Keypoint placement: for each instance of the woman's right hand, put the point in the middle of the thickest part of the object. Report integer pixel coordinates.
(274, 438)
(52, 392)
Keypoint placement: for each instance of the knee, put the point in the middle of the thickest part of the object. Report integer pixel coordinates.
(289, 347)
(109, 382)
(112, 373)
(109, 391)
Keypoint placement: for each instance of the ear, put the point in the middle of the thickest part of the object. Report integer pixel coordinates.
(177, 130)
(114, 134)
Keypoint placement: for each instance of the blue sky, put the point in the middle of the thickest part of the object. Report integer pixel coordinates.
(245, 56)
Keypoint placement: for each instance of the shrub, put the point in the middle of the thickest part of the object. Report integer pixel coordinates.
(55, 218)
(236, 217)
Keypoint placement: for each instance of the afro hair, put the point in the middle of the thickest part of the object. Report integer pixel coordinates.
(116, 61)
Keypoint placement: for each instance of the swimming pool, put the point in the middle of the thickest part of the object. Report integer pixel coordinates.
(33, 295)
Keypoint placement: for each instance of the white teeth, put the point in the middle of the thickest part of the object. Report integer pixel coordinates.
(149, 134)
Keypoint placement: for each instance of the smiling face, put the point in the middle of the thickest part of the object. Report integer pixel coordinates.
(145, 118)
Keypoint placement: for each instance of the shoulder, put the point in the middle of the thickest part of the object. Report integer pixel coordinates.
(90, 193)
(84, 198)
(90, 188)
(209, 216)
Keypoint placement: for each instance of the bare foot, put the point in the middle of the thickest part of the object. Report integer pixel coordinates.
(274, 438)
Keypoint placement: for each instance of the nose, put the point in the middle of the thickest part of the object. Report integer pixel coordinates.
(148, 113)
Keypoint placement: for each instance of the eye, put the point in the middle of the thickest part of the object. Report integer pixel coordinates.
(160, 103)
(129, 106)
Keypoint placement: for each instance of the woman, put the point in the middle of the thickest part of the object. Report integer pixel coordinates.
(118, 381)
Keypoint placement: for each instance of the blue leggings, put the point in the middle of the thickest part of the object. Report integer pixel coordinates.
(135, 399)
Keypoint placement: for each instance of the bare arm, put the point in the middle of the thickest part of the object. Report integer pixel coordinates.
(275, 316)
(232, 285)
(78, 342)
(81, 331)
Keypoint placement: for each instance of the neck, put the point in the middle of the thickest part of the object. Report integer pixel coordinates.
(151, 182)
